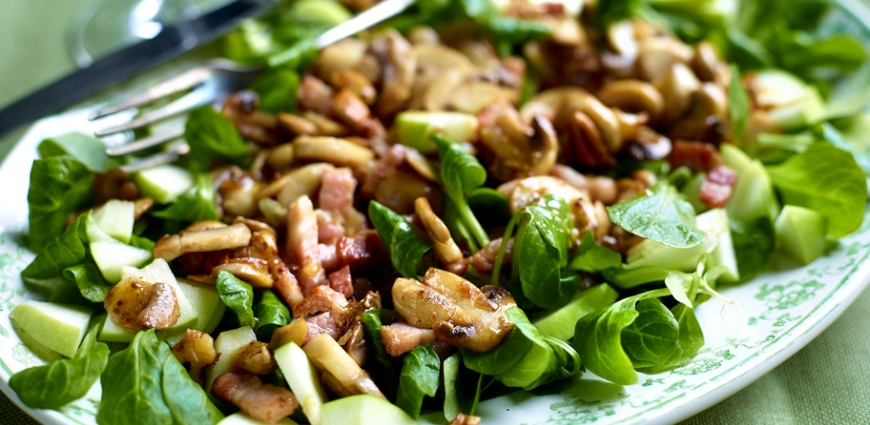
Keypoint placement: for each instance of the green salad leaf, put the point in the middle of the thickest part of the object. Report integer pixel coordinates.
(68, 250)
(146, 381)
(661, 216)
(56, 384)
(825, 179)
(594, 258)
(651, 338)
(238, 296)
(689, 340)
(462, 387)
(461, 173)
(211, 137)
(277, 90)
(421, 369)
(59, 187)
(738, 105)
(90, 281)
(196, 204)
(271, 314)
(598, 338)
(609, 12)
(88, 150)
(526, 359)
(405, 243)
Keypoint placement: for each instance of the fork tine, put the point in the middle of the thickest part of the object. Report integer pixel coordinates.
(176, 84)
(186, 103)
(148, 142)
(162, 158)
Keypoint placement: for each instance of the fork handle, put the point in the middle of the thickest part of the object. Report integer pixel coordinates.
(365, 20)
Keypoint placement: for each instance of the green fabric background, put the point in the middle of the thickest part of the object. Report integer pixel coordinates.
(828, 382)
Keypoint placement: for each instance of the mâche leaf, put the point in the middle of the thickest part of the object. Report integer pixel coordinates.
(405, 243)
(461, 172)
(462, 387)
(825, 179)
(59, 187)
(238, 296)
(277, 90)
(753, 243)
(420, 372)
(196, 204)
(271, 314)
(211, 137)
(593, 258)
(146, 381)
(661, 216)
(88, 150)
(68, 250)
(56, 384)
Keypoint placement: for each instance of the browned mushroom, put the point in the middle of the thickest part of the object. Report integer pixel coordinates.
(460, 313)
(211, 239)
(197, 349)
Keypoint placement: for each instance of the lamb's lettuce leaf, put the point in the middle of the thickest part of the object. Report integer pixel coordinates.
(88, 150)
(146, 381)
(404, 242)
(59, 187)
(421, 369)
(825, 179)
(58, 383)
(238, 296)
(661, 215)
(213, 137)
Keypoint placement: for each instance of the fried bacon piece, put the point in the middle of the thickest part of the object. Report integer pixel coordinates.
(716, 188)
(698, 156)
(400, 337)
(263, 402)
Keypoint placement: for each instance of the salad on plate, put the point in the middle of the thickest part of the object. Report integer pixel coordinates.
(477, 198)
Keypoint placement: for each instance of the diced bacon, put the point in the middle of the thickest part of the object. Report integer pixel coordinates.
(320, 324)
(302, 246)
(400, 337)
(320, 299)
(698, 156)
(264, 402)
(361, 250)
(484, 260)
(341, 282)
(329, 228)
(336, 190)
(716, 188)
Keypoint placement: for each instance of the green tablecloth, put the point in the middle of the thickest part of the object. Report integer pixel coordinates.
(825, 383)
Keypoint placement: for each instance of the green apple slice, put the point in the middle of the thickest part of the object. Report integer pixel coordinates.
(206, 302)
(112, 256)
(116, 219)
(240, 418)
(715, 221)
(59, 327)
(302, 379)
(363, 409)
(226, 344)
(164, 183)
(800, 232)
(414, 128)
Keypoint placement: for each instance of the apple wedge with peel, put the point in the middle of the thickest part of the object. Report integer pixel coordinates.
(363, 409)
(59, 327)
(303, 380)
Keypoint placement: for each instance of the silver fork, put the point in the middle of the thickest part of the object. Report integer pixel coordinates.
(210, 83)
